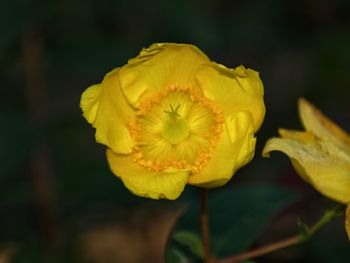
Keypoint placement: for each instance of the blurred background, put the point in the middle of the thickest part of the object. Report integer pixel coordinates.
(59, 202)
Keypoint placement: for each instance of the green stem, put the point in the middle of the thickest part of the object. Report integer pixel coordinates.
(327, 216)
(288, 242)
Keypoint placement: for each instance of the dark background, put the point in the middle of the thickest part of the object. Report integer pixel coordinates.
(58, 200)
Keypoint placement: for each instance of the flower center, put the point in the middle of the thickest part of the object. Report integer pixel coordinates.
(176, 128)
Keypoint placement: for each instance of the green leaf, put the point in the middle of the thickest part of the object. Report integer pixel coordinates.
(174, 255)
(238, 217)
(191, 240)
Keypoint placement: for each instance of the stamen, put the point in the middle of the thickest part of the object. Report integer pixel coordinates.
(175, 130)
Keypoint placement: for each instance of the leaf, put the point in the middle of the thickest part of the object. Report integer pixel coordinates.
(191, 240)
(174, 255)
(238, 216)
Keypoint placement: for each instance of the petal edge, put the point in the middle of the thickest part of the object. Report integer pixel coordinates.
(315, 121)
(235, 149)
(146, 183)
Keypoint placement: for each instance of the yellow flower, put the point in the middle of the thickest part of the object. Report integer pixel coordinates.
(171, 117)
(320, 155)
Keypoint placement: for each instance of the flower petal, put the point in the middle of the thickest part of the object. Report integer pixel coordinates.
(321, 163)
(297, 135)
(105, 107)
(90, 102)
(313, 120)
(143, 182)
(235, 149)
(158, 66)
(347, 221)
(234, 90)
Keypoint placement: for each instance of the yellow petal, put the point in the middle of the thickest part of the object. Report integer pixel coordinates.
(313, 120)
(90, 102)
(146, 183)
(297, 135)
(321, 163)
(303, 137)
(235, 149)
(234, 90)
(347, 221)
(105, 107)
(158, 66)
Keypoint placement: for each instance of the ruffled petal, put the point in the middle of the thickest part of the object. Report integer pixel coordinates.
(321, 163)
(234, 90)
(159, 66)
(347, 221)
(105, 107)
(234, 149)
(313, 120)
(90, 102)
(146, 183)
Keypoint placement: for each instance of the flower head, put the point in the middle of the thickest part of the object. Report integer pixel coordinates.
(320, 155)
(171, 117)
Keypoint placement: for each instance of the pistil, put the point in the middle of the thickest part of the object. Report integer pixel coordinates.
(176, 128)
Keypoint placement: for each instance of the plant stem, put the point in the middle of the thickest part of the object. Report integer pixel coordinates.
(294, 240)
(327, 216)
(204, 224)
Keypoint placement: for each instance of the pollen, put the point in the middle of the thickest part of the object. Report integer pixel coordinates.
(176, 128)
